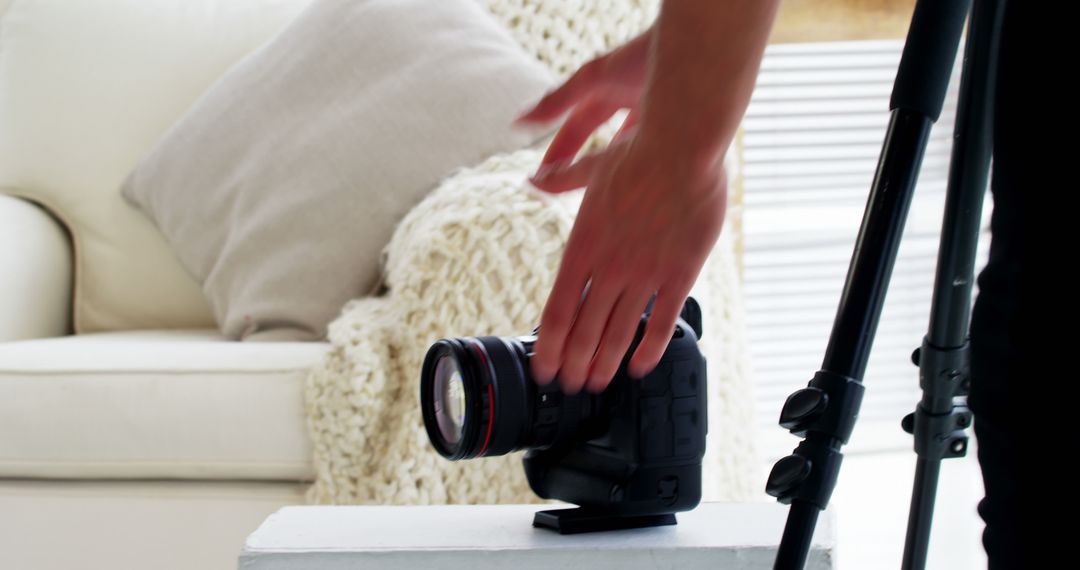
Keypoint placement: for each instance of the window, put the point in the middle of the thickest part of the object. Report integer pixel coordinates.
(813, 134)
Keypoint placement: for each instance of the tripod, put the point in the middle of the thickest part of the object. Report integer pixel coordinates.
(824, 412)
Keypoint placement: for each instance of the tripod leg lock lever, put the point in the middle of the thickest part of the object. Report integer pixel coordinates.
(824, 413)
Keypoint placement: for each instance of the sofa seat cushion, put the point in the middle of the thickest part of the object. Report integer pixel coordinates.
(154, 404)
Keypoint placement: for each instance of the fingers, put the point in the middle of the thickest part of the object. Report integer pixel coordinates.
(556, 102)
(577, 128)
(556, 178)
(559, 311)
(617, 336)
(585, 334)
(666, 309)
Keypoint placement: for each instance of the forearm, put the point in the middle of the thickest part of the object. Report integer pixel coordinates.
(704, 63)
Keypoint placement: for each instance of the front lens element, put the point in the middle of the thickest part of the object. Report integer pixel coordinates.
(449, 399)
(477, 400)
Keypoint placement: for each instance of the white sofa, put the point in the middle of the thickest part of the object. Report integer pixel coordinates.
(138, 448)
(134, 448)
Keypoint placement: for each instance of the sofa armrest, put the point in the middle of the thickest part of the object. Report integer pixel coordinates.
(35, 272)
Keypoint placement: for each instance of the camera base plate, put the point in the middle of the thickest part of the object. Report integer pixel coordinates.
(581, 519)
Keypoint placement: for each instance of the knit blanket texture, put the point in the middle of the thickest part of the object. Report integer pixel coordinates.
(478, 256)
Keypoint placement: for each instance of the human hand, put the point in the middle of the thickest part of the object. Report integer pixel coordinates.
(656, 196)
(647, 222)
(595, 91)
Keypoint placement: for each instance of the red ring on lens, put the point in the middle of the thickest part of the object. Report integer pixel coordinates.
(491, 396)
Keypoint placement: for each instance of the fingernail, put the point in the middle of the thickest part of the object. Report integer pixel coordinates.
(551, 167)
(535, 186)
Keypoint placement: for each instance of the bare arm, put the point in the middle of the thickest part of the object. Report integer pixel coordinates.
(656, 197)
(704, 62)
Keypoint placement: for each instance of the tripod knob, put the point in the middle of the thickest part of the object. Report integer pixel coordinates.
(786, 476)
(802, 408)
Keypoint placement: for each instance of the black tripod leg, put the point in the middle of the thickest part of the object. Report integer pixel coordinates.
(943, 359)
(824, 412)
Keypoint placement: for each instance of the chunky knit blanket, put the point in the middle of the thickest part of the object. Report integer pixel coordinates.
(478, 257)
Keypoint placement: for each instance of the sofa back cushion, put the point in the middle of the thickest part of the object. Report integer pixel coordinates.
(86, 88)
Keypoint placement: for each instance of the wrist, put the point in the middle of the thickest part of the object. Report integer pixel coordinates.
(694, 154)
(703, 65)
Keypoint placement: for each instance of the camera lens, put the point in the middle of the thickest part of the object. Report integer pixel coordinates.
(449, 399)
(479, 400)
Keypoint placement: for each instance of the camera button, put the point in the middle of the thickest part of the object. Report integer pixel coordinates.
(684, 378)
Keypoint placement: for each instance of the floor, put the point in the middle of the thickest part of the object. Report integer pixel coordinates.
(871, 502)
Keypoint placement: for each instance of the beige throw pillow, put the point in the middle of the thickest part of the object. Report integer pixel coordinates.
(283, 183)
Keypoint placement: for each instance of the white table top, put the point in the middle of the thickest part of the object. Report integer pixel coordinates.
(716, 535)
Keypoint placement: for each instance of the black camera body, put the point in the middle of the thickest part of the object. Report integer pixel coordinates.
(629, 456)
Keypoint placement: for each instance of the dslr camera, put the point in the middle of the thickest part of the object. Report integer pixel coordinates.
(629, 456)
